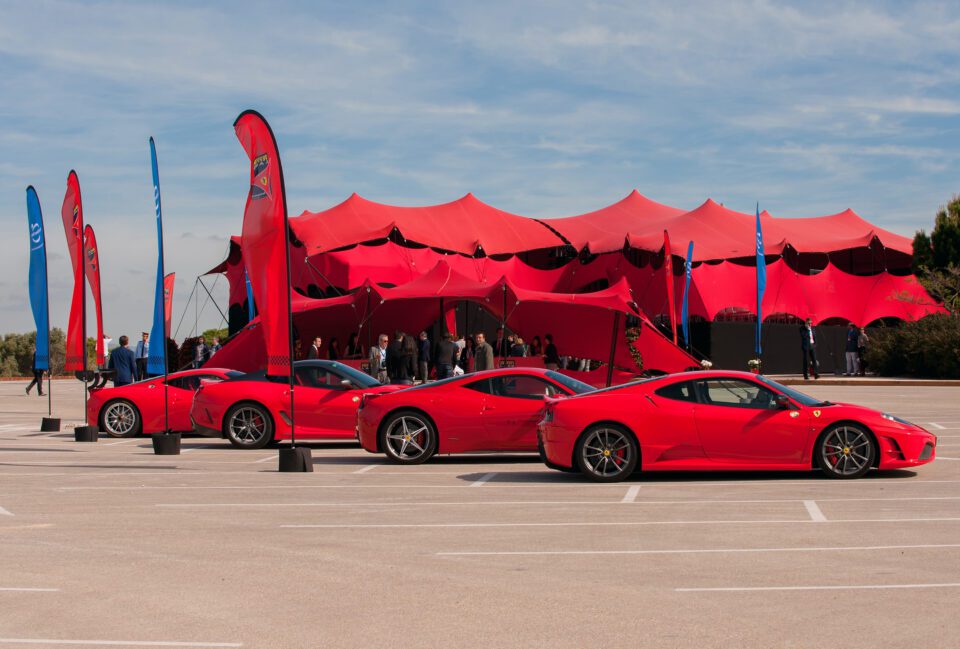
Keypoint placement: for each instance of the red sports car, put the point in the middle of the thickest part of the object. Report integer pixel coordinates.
(496, 410)
(251, 410)
(138, 408)
(708, 421)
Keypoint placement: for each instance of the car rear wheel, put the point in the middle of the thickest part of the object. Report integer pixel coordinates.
(607, 453)
(846, 451)
(120, 418)
(408, 438)
(248, 425)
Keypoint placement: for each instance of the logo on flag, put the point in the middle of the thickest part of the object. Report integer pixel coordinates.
(260, 187)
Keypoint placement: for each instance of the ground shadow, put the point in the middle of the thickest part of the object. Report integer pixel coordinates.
(90, 466)
(548, 476)
(40, 450)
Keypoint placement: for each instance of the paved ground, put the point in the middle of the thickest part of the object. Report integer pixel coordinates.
(108, 545)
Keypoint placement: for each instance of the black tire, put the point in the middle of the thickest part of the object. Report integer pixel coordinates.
(607, 453)
(120, 418)
(248, 425)
(408, 437)
(845, 451)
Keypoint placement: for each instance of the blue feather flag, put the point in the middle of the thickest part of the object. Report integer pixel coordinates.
(761, 280)
(38, 279)
(685, 310)
(157, 356)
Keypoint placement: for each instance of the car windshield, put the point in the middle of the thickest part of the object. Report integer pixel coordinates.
(577, 387)
(356, 376)
(796, 395)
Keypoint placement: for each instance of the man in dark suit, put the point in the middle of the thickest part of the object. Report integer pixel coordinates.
(37, 376)
(123, 361)
(501, 346)
(808, 345)
(315, 348)
(396, 368)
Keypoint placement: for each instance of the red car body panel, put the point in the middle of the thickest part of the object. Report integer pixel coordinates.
(320, 413)
(466, 420)
(691, 435)
(147, 396)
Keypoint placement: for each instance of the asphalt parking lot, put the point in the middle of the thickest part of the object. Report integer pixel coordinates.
(108, 545)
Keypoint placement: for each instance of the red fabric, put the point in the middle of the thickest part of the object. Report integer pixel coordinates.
(72, 213)
(264, 237)
(92, 266)
(466, 225)
(168, 282)
(668, 277)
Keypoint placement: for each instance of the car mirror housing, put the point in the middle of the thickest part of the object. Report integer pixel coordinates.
(783, 403)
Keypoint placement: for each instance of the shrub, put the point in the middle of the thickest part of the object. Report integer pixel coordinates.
(929, 347)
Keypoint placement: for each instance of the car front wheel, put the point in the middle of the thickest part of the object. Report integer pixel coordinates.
(408, 438)
(248, 425)
(846, 451)
(120, 418)
(607, 453)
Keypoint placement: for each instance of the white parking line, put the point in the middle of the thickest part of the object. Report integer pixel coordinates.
(366, 468)
(952, 459)
(117, 643)
(815, 514)
(265, 459)
(482, 479)
(631, 494)
(122, 441)
(8, 589)
(838, 548)
(5, 512)
(937, 426)
(788, 521)
(197, 448)
(747, 589)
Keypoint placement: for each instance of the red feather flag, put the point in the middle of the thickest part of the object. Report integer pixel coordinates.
(168, 281)
(92, 263)
(264, 239)
(668, 270)
(72, 213)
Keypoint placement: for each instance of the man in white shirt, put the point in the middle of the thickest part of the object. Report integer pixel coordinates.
(141, 354)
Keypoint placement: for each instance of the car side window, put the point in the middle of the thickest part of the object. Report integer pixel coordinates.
(317, 377)
(480, 386)
(185, 383)
(521, 387)
(682, 391)
(736, 393)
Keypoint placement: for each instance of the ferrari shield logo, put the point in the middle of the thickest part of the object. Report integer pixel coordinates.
(794, 414)
(816, 413)
(260, 185)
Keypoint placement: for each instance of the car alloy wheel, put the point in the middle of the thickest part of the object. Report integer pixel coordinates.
(607, 454)
(121, 419)
(248, 426)
(409, 438)
(846, 451)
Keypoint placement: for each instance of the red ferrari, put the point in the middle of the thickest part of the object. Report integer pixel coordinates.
(708, 421)
(496, 410)
(251, 410)
(138, 408)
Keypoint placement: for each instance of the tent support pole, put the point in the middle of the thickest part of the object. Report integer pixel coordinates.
(613, 347)
(213, 300)
(323, 277)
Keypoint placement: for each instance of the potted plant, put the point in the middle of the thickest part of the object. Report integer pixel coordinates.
(754, 365)
(705, 364)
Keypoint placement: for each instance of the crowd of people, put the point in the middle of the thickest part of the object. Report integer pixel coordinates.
(128, 365)
(855, 346)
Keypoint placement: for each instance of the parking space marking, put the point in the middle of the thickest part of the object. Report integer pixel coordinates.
(5, 512)
(122, 441)
(815, 514)
(631, 494)
(937, 426)
(747, 589)
(366, 468)
(835, 548)
(197, 448)
(786, 521)
(13, 589)
(266, 459)
(117, 643)
(952, 459)
(480, 481)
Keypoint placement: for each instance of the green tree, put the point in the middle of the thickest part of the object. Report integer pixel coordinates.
(922, 253)
(209, 334)
(939, 271)
(946, 235)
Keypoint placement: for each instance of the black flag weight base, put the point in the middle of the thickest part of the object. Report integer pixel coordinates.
(86, 434)
(166, 443)
(50, 425)
(296, 459)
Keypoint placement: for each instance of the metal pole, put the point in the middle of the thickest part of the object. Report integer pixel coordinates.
(212, 299)
(613, 347)
(83, 321)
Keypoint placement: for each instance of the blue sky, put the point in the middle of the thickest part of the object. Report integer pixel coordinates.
(542, 109)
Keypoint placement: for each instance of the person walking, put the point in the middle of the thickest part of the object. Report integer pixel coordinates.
(314, 351)
(378, 359)
(143, 351)
(808, 346)
(850, 351)
(37, 375)
(423, 356)
(483, 354)
(124, 362)
(551, 357)
(106, 350)
(447, 356)
(862, 341)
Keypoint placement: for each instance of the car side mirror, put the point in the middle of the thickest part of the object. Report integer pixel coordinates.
(346, 383)
(783, 403)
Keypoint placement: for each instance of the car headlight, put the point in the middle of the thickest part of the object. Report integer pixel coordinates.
(889, 417)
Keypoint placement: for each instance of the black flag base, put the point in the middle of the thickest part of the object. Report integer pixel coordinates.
(296, 459)
(86, 434)
(50, 425)
(166, 443)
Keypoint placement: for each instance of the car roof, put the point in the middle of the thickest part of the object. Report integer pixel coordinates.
(194, 372)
